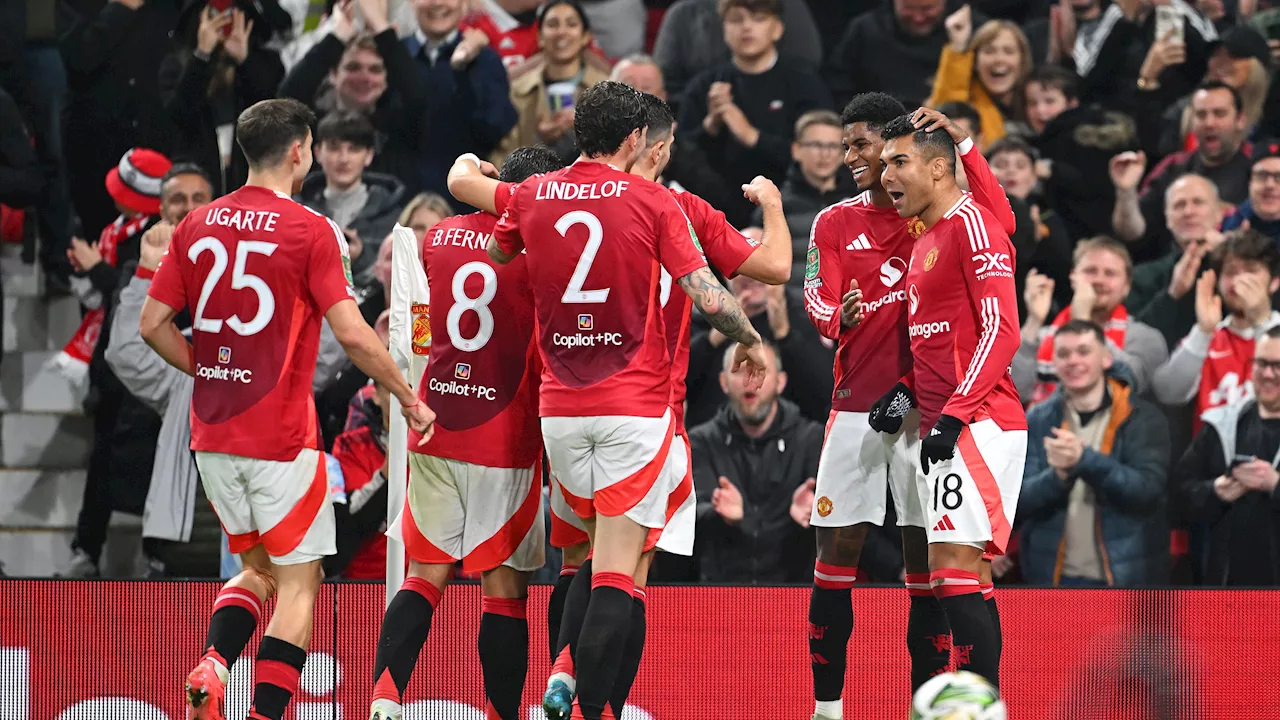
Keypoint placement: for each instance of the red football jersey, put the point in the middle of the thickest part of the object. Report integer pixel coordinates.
(514, 42)
(855, 240)
(598, 239)
(482, 376)
(963, 320)
(260, 272)
(1227, 373)
(726, 249)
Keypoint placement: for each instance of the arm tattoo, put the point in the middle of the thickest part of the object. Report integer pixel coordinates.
(718, 305)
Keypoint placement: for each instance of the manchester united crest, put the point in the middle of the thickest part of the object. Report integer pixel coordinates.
(915, 226)
(421, 328)
(930, 259)
(824, 506)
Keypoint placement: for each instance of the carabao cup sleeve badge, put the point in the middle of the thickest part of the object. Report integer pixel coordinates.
(421, 328)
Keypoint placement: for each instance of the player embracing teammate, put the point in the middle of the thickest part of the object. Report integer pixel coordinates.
(598, 241)
(857, 293)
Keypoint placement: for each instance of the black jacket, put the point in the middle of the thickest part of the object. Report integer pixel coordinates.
(767, 546)
(805, 357)
(399, 116)
(374, 221)
(1080, 143)
(802, 202)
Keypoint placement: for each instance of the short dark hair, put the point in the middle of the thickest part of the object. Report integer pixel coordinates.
(527, 161)
(771, 7)
(606, 114)
(577, 7)
(1011, 143)
(937, 143)
(1273, 332)
(1210, 85)
(185, 168)
(1083, 327)
(875, 109)
(958, 110)
(1251, 245)
(346, 126)
(1057, 77)
(658, 116)
(266, 130)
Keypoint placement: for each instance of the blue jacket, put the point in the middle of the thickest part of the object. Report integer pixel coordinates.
(469, 110)
(1244, 211)
(1129, 478)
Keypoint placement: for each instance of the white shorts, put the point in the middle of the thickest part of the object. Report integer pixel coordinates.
(856, 466)
(612, 465)
(971, 498)
(675, 537)
(480, 515)
(282, 505)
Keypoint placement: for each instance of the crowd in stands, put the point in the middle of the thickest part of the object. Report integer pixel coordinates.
(1138, 141)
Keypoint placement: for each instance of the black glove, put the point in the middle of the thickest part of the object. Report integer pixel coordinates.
(887, 412)
(940, 443)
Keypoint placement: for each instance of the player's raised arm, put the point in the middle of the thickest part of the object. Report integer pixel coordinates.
(824, 284)
(506, 243)
(987, 266)
(771, 262)
(982, 182)
(474, 182)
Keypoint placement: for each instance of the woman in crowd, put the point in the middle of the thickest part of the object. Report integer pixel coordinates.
(545, 88)
(986, 69)
(222, 68)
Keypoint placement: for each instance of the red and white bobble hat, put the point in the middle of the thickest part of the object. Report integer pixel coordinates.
(135, 182)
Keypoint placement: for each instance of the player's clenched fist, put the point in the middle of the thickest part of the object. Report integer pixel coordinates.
(887, 412)
(155, 242)
(851, 306)
(762, 192)
(940, 444)
(751, 361)
(421, 420)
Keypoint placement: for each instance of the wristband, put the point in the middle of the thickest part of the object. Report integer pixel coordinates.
(469, 156)
(144, 273)
(416, 400)
(964, 146)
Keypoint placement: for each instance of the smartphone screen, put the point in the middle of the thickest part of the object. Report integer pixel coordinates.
(1170, 21)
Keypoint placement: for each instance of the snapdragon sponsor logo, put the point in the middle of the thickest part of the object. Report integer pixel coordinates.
(893, 296)
(926, 330)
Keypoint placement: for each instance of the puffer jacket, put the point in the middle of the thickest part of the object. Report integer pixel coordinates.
(374, 221)
(1129, 476)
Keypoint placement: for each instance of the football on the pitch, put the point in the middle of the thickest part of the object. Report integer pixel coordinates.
(957, 696)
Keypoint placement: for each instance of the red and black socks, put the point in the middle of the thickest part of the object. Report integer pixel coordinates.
(928, 632)
(504, 653)
(975, 644)
(555, 606)
(277, 669)
(631, 655)
(576, 600)
(236, 612)
(989, 597)
(404, 630)
(602, 644)
(830, 625)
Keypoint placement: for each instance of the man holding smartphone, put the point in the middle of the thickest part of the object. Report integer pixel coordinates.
(1228, 479)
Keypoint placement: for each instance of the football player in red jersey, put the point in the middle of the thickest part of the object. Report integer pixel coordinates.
(963, 327)
(475, 489)
(597, 240)
(260, 271)
(732, 253)
(855, 294)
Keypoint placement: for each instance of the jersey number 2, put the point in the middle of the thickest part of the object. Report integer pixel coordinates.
(595, 235)
(241, 279)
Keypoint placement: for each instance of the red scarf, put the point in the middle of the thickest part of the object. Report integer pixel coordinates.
(1046, 377)
(79, 349)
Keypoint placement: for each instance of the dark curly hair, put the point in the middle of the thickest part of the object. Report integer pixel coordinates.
(525, 162)
(935, 144)
(875, 109)
(606, 114)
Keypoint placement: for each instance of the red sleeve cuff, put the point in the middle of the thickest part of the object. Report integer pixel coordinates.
(143, 273)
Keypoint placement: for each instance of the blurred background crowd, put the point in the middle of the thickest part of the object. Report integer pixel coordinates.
(1138, 141)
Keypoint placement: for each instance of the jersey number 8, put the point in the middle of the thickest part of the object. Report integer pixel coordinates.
(480, 304)
(241, 279)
